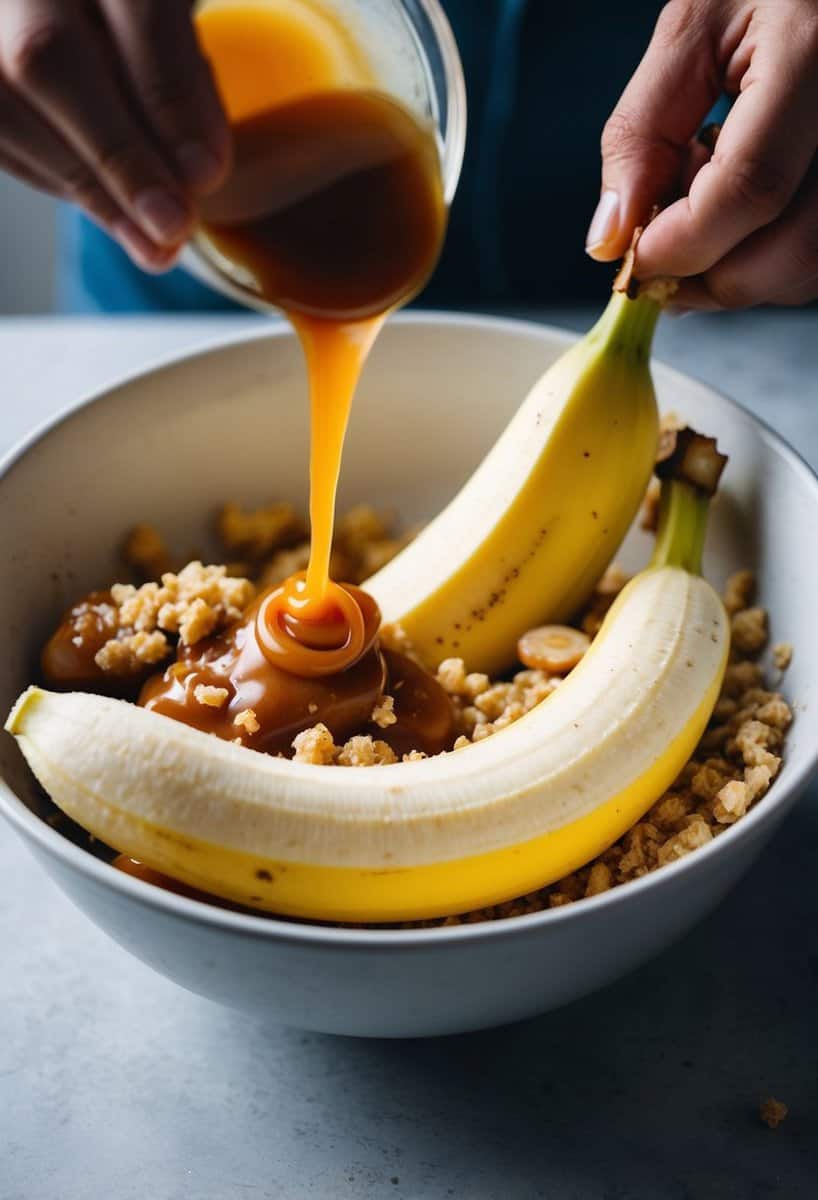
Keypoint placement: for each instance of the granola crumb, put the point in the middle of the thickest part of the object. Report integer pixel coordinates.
(451, 675)
(247, 720)
(739, 591)
(782, 655)
(394, 637)
(315, 746)
(414, 756)
(749, 630)
(696, 834)
(132, 652)
(211, 697)
(365, 751)
(256, 533)
(775, 712)
(758, 780)
(194, 603)
(732, 802)
(599, 879)
(145, 550)
(383, 714)
(198, 621)
(772, 1112)
(740, 677)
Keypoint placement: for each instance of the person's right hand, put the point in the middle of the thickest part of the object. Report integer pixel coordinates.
(110, 104)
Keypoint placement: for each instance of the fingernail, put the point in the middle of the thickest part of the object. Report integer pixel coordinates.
(161, 215)
(678, 310)
(198, 164)
(604, 224)
(144, 252)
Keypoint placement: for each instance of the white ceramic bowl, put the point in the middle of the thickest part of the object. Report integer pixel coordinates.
(168, 446)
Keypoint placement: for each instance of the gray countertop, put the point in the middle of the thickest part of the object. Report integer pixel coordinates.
(116, 1085)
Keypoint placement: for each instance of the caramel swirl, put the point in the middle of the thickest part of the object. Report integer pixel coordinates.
(237, 673)
(309, 638)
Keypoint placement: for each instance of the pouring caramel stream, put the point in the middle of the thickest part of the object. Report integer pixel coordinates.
(334, 212)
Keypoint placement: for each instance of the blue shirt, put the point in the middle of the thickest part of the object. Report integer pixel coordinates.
(541, 80)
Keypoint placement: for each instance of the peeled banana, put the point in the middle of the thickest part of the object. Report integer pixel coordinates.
(474, 827)
(528, 536)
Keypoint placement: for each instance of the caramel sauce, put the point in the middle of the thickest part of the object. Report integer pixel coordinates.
(285, 703)
(68, 657)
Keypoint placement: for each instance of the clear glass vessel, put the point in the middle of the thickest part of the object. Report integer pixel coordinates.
(414, 58)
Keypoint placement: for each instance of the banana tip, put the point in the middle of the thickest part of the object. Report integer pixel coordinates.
(16, 718)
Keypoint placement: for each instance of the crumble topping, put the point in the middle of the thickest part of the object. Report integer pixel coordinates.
(739, 591)
(383, 714)
(273, 542)
(317, 746)
(256, 533)
(737, 759)
(247, 721)
(193, 604)
(782, 655)
(365, 751)
(210, 696)
(749, 630)
(146, 551)
(128, 653)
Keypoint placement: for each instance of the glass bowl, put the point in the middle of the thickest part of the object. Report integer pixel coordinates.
(414, 58)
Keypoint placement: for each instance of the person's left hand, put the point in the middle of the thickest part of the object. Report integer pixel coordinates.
(745, 231)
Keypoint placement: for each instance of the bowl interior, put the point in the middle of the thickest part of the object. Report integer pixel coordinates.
(231, 423)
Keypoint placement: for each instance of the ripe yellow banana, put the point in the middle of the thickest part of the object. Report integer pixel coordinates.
(530, 533)
(474, 827)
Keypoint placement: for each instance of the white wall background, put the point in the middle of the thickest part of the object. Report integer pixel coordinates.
(27, 243)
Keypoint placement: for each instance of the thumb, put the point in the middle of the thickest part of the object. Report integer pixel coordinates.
(646, 139)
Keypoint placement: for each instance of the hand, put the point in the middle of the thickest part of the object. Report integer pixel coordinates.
(110, 104)
(746, 228)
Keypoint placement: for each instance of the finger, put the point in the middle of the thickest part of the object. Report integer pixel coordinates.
(52, 55)
(695, 158)
(804, 294)
(36, 153)
(645, 141)
(172, 84)
(778, 262)
(763, 152)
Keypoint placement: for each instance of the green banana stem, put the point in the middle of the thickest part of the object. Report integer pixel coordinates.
(626, 326)
(682, 528)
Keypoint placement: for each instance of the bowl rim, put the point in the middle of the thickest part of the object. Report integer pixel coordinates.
(295, 930)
